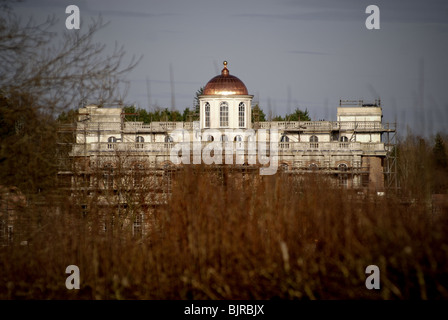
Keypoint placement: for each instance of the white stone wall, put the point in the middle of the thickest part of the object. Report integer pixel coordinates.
(359, 114)
(233, 103)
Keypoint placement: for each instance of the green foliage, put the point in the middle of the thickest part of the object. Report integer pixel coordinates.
(439, 152)
(261, 115)
(196, 106)
(189, 115)
(139, 114)
(440, 181)
(422, 166)
(297, 115)
(159, 114)
(68, 117)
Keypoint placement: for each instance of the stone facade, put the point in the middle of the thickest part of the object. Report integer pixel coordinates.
(350, 149)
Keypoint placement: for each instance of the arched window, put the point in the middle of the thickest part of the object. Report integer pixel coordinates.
(239, 142)
(343, 142)
(314, 142)
(210, 138)
(313, 167)
(111, 142)
(241, 115)
(224, 114)
(284, 142)
(343, 177)
(207, 115)
(168, 139)
(139, 142)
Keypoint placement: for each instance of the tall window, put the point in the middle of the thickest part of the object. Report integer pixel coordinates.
(314, 142)
(241, 115)
(111, 142)
(139, 142)
(343, 177)
(207, 115)
(224, 114)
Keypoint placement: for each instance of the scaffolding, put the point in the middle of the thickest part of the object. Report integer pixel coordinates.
(391, 160)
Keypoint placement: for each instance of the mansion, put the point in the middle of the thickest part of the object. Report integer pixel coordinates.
(355, 149)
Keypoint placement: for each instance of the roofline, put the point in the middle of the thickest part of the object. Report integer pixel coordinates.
(226, 96)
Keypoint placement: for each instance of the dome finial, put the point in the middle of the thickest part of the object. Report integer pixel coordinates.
(225, 71)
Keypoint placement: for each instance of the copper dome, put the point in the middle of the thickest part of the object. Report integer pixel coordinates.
(225, 84)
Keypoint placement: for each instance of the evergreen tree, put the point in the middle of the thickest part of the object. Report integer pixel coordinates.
(196, 102)
(298, 115)
(261, 115)
(439, 153)
(68, 117)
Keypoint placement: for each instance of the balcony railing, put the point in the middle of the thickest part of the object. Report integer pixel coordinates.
(316, 126)
(99, 126)
(235, 146)
(305, 126)
(156, 126)
(320, 146)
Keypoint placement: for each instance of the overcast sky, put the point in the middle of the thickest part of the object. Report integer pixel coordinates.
(289, 53)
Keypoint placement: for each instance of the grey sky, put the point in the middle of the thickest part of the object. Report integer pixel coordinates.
(308, 53)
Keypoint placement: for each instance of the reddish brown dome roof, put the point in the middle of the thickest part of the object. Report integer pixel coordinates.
(225, 84)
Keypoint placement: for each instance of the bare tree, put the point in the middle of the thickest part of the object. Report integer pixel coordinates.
(42, 77)
(59, 75)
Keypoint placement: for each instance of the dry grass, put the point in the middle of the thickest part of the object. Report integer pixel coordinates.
(223, 237)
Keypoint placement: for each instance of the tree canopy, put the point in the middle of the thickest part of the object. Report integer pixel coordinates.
(297, 115)
(138, 114)
(257, 114)
(439, 151)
